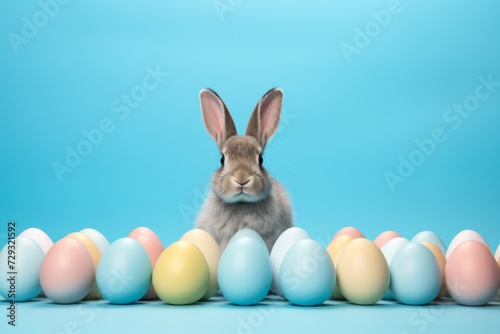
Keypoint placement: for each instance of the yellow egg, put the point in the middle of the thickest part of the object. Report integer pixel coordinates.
(362, 272)
(95, 253)
(334, 249)
(441, 260)
(181, 275)
(210, 249)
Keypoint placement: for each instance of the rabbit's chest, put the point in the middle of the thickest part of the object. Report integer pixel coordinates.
(248, 216)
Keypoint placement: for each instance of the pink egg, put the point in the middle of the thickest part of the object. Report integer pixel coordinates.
(154, 251)
(497, 257)
(349, 230)
(465, 235)
(67, 272)
(383, 237)
(146, 232)
(472, 274)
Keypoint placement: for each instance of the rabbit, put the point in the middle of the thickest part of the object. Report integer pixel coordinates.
(243, 194)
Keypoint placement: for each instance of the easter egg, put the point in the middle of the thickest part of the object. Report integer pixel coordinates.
(244, 273)
(181, 275)
(151, 248)
(249, 233)
(441, 260)
(154, 247)
(472, 274)
(146, 232)
(20, 263)
(383, 237)
(100, 240)
(282, 245)
(154, 251)
(307, 275)
(211, 251)
(415, 275)
(334, 249)
(431, 237)
(389, 250)
(67, 272)
(497, 257)
(124, 272)
(362, 272)
(40, 237)
(465, 235)
(392, 247)
(349, 230)
(95, 253)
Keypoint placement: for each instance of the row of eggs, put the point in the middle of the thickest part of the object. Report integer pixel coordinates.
(84, 265)
(392, 267)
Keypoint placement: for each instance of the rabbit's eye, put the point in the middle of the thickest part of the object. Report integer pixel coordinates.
(261, 160)
(222, 161)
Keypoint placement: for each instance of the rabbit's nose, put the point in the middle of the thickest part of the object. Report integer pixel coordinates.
(242, 183)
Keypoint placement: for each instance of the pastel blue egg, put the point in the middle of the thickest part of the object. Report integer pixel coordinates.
(389, 250)
(26, 256)
(249, 233)
(307, 274)
(415, 275)
(124, 272)
(431, 237)
(244, 272)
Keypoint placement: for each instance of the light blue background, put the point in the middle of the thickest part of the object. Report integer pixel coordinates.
(345, 124)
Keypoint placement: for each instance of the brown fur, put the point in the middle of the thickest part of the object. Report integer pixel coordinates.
(243, 194)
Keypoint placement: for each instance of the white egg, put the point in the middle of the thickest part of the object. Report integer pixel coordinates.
(97, 237)
(40, 237)
(465, 235)
(282, 245)
(392, 247)
(389, 250)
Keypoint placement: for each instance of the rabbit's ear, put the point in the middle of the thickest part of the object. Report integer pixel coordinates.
(266, 116)
(217, 119)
